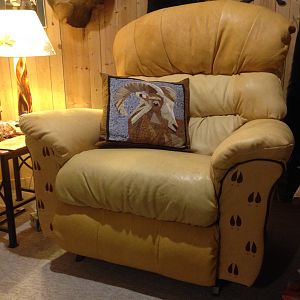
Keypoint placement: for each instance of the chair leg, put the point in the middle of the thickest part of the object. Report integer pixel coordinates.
(79, 258)
(216, 290)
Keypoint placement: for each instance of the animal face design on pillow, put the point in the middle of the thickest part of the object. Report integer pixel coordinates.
(148, 113)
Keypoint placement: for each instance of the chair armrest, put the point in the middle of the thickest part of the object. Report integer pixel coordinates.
(245, 168)
(67, 131)
(266, 139)
(52, 138)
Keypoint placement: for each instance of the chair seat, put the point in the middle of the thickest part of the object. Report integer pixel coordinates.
(159, 184)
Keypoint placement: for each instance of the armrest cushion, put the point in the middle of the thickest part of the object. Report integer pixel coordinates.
(258, 139)
(68, 131)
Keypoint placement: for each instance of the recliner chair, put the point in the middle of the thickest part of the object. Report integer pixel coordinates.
(194, 216)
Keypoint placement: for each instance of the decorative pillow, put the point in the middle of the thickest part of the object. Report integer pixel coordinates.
(144, 113)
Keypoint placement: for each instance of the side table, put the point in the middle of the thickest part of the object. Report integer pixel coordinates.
(13, 149)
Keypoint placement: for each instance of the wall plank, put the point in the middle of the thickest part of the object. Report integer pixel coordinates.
(56, 62)
(108, 31)
(76, 66)
(141, 7)
(94, 56)
(71, 78)
(40, 83)
(8, 103)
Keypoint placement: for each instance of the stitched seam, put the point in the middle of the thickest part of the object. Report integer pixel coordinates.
(246, 40)
(157, 247)
(164, 45)
(137, 54)
(98, 245)
(215, 50)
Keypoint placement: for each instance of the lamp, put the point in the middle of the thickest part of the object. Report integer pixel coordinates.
(22, 35)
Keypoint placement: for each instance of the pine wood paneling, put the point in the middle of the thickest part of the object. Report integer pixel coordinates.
(94, 55)
(8, 106)
(109, 30)
(141, 7)
(76, 66)
(71, 78)
(56, 62)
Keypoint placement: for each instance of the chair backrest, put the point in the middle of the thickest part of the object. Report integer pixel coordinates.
(232, 52)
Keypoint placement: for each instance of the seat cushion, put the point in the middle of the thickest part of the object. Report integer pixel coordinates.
(159, 184)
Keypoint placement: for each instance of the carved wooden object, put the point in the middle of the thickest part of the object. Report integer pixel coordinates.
(24, 94)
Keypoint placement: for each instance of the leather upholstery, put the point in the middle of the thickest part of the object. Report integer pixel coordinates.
(58, 128)
(154, 45)
(176, 250)
(157, 184)
(258, 139)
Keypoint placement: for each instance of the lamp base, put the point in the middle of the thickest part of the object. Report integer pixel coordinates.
(24, 94)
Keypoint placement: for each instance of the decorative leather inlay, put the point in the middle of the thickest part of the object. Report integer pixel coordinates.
(233, 269)
(237, 177)
(36, 166)
(46, 151)
(40, 204)
(254, 197)
(49, 187)
(235, 221)
(251, 247)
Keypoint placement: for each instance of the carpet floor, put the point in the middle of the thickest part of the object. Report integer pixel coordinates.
(39, 269)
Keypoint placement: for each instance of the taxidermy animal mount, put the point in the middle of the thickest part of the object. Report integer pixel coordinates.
(76, 13)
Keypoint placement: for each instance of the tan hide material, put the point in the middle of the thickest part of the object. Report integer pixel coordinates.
(257, 139)
(52, 140)
(175, 186)
(180, 251)
(76, 13)
(212, 39)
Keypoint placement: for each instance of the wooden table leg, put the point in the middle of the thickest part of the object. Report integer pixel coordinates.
(8, 203)
(17, 179)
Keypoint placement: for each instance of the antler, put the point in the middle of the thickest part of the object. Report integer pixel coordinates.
(134, 87)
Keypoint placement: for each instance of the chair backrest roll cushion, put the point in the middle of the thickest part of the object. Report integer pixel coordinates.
(213, 37)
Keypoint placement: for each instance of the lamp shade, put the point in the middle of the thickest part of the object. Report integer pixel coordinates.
(22, 35)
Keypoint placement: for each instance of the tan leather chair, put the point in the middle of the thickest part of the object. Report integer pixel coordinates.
(194, 216)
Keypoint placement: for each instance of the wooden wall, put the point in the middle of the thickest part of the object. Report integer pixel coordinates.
(71, 78)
